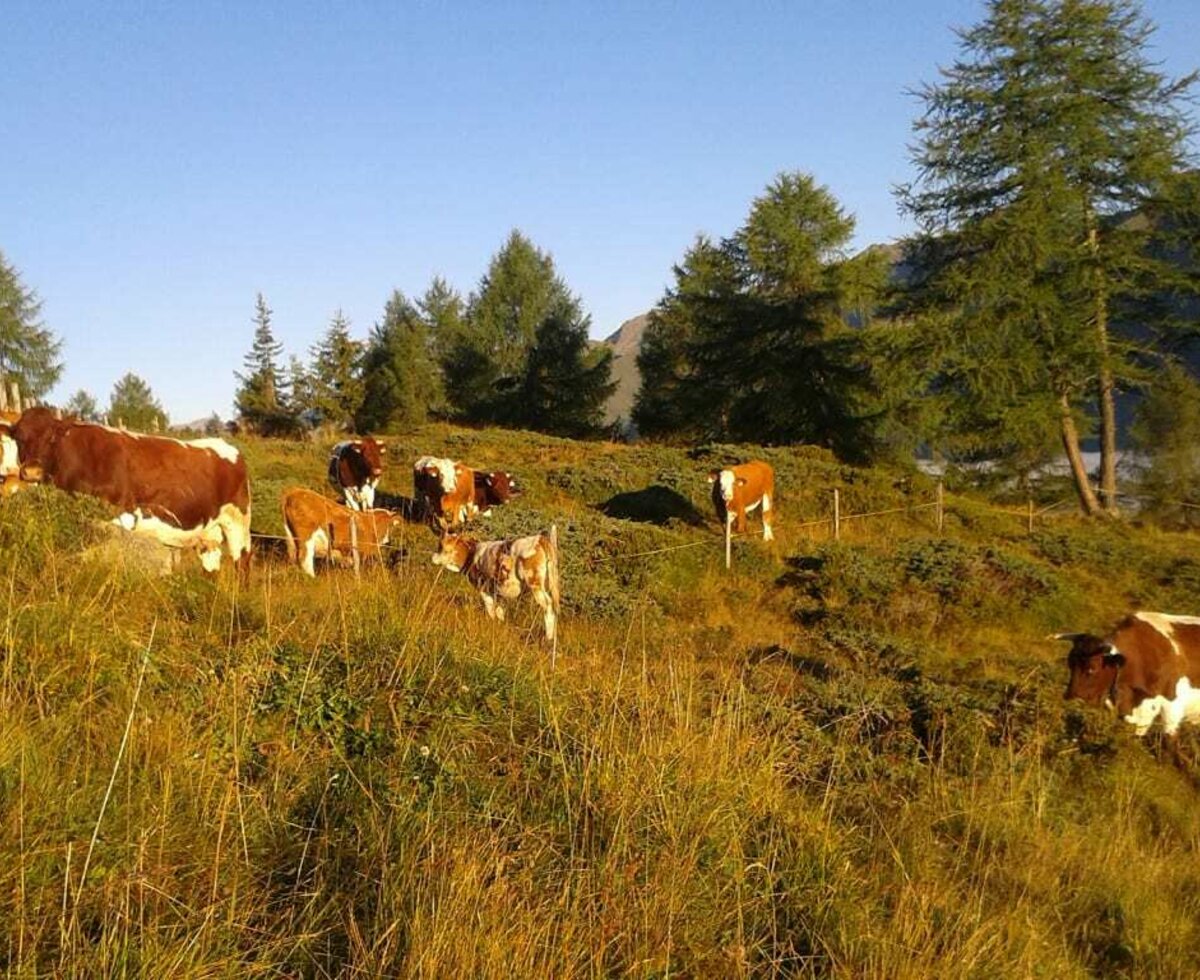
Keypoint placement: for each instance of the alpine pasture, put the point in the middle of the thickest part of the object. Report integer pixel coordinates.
(843, 758)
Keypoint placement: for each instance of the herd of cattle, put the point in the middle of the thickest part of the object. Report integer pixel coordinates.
(196, 495)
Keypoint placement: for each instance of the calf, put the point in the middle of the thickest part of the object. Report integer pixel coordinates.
(502, 569)
(354, 470)
(445, 489)
(1147, 667)
(317, 526)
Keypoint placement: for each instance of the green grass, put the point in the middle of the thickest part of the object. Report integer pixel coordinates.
(840, 759)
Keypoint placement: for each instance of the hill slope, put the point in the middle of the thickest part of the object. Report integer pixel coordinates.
(840, 758)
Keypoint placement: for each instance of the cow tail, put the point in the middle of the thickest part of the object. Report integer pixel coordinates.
(552, 581)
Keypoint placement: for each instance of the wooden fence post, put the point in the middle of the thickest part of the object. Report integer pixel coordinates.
(354, 543)
(14, 397)
(940, 500)
(3, 397)
(1031, 515)
(837, 515)
(728, 547)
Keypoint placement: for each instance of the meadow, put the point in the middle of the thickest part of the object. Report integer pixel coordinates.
(841, 758)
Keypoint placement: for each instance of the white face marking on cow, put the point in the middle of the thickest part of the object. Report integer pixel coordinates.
(726, 480)
(10, 461)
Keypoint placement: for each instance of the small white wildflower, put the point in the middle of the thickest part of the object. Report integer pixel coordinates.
(424, 750)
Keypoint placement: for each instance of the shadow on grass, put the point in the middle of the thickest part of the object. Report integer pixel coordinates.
(654, 505)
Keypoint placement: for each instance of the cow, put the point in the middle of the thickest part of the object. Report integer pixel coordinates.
(503, 569)
(1147, 668)
(10, 462)
(184, 494)
(354, 470)
(494, 488)
(445, 489)
(319, 527)
(739, 489)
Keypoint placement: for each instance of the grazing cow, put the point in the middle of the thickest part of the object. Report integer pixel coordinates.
(1147, 667)
(502, 569)
(354, 470)
(319, 527)
(739, 489)
(184, 494)
(494, 489)
(445, 489)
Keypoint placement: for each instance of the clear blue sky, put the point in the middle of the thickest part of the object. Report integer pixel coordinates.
(162, 163)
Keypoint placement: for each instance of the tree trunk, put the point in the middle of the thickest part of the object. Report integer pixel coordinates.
(1070, 437)
(1108, 410)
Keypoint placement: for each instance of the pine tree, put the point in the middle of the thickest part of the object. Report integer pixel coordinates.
(133, 405)
(82, 405)
(337, 383)
(29, 352)
(399, 371)
(1051, 128)
(566, 383)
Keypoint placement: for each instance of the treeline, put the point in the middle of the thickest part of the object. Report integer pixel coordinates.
(515, 352)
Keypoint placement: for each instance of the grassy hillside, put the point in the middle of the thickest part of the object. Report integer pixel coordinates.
(847, 759)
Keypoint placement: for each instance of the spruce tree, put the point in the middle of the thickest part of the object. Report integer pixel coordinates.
(400, 375)
(258, 396)
(1048, 131)
(133, 405)
(82, 405)
(29, 352)
(336, 376)
(566, 382)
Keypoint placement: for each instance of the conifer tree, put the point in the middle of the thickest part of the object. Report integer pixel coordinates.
(258, 396)
(399, 371)
(82, 405)
(1051, 127)
(336, 376)
(29, 352)
(566, 384)
(134, 406)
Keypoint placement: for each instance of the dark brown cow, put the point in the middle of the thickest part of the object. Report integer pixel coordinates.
(446, 490)
(502, 569)
(318, 527)
(494, 489)
(1147, 667)
(185, 494)
(354, 470)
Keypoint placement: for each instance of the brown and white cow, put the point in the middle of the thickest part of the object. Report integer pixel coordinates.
(502, 569)
(10, 461)
(737, 490)
(317, 527)
(184, 494)
(354, 470)
(445, 489)
(1147, 667)
(494, 488)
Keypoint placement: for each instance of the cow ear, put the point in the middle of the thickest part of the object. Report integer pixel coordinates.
(1114, 657)
(741, 481)
(713, 475)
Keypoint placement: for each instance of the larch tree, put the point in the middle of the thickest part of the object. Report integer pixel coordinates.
(29, 352)
(1051, 128)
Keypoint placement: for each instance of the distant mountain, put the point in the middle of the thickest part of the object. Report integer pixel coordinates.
(625, 344)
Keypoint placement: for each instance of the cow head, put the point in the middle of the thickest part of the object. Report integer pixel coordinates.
(501, 486)
(34, 433)
(1094, 663)
(725, 480)
(372, 454)
(454, 551)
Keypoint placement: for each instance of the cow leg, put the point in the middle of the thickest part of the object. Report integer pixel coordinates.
(494, 609)
(740, 527)
(368, 495)
(310, 550)
(210, 559)
(768, 534)
(549, 619)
